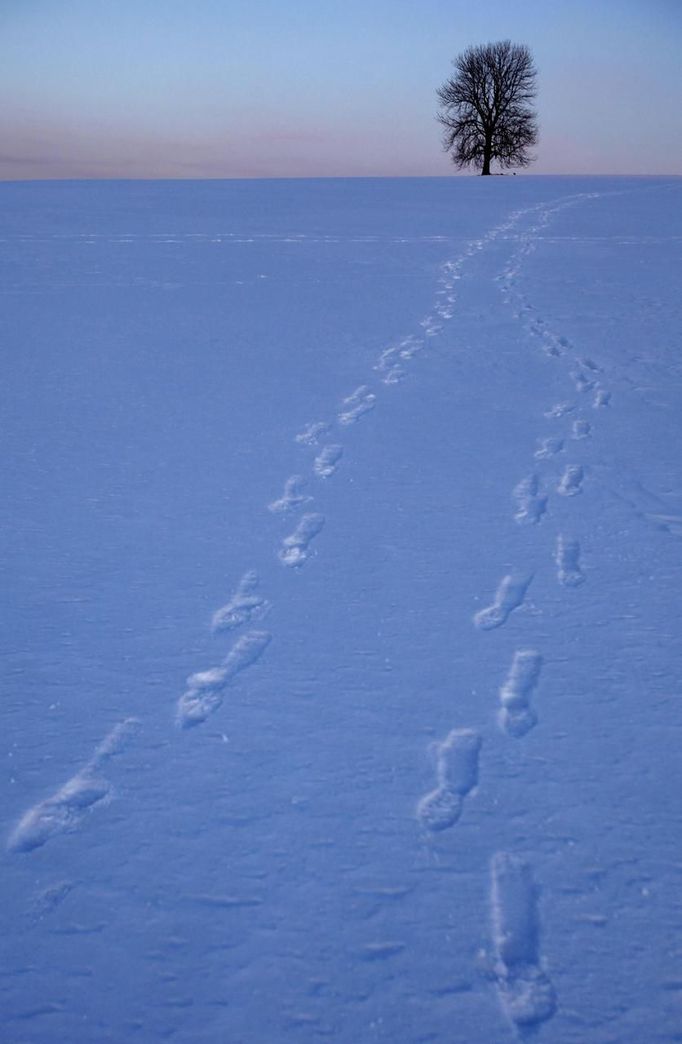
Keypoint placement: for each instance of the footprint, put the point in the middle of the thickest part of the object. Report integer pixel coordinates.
(526, 993)
(48, 899)
(571, 481)
(582, 429)
(530, 506)
(602, 397)
(568, 560)
(560, 409)
(537, 327)
(388, 366)
(245, 605)
(589, 364)
(327, 461)
(582, 382)
(430, 326)
(516, 716)
(292, 496)
(58, 814)
(393, 376)
(456, 776)
(509, 596)
(62, 812)
(114, 742)
(410, 346)
(548, 448)
(361, 401)
(204, 693)
(295, 550)
(312, 433)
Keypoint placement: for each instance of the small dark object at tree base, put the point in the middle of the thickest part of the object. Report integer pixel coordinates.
(486, 107)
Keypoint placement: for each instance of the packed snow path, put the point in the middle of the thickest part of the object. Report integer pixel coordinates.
(342, 557)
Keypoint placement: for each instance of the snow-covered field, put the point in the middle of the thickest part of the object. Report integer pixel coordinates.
(342, 533)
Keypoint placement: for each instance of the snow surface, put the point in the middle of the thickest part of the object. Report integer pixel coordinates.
(341, 545)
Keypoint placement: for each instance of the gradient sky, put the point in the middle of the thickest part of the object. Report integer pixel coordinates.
(280, 88)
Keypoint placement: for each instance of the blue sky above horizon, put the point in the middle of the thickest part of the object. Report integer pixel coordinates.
(308, 88)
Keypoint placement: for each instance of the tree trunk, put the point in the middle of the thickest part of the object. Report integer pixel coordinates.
(487, 155)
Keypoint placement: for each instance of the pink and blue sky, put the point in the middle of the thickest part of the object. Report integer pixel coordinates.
(312, 88)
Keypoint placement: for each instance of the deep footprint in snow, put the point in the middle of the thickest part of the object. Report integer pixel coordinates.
(312, 433)
(391, 359)
(205, 689)
(560, 409)
(295, 550)
(389, 367)
(509, 596)
(582, 382)
(582, 429)
(292, 496)
(568, 561)
(456, 775)
(327, 460)
(530, 503)
(571, 481)
(548, 448)
(409, 347)
(516, 716)
(430, 326)
(526, 993)
(245, 605)
(62, 811)
(59, 813)
(550, 348)
(602, 398)
(361, 401)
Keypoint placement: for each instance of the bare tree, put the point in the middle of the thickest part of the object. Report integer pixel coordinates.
(486, 107)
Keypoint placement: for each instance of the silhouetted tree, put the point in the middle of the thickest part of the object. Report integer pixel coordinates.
(485, 107)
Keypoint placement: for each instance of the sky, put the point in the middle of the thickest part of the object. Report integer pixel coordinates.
(317, 88)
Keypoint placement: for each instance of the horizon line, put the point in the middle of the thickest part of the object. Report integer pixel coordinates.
(336, 177)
